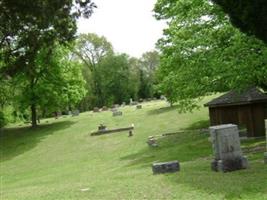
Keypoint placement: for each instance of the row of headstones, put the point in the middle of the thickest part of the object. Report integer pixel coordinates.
(226, 148)
(114, 110)
(68, 113)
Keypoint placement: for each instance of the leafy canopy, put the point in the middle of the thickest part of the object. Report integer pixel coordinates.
(203, 53)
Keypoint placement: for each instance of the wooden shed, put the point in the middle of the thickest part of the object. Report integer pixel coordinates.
(246, 109)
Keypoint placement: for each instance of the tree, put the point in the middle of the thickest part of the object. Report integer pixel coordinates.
(27, 26)
(203, 53)
(90, 50)
(250, 15)
(57, 85)
(31, 28)
(149, 62)
(115, 78)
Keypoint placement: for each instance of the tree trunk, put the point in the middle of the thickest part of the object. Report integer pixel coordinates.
(34, 115)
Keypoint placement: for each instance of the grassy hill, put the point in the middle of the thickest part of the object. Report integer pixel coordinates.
(60, 160)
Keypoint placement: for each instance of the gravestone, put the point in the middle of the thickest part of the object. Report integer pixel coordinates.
(166, 167)
(134, 103)
(226, 148)
(162, 97)
(131, 101)
(96, 109)
(123, 104)
(75, 113)
(114, 110)
(102, 127)
(265, 154)
(139, 107)
(151, 141)
(117, 113)
(104, 108)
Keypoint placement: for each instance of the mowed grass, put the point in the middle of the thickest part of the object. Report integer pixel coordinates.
(60, 160)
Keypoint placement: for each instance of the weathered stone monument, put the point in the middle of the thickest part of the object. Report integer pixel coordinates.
(139, 107)
(102, 127)
(166, 167)
(162, 97)
(226, 148)
(265, 154)
(152, 141)
(75, 113)
(114, 109)
(104, 108)
(117, 113)
(96, 109)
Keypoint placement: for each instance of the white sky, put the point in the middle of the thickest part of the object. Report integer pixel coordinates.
(128, 24)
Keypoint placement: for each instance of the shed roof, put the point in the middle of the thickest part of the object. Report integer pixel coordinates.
(252, 95)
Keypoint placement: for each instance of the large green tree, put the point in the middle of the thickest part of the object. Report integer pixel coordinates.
(91, 49)
(29, 29)
(149, 62)
(57, 85)
(28, 26)
(203, 53)
(248, 15)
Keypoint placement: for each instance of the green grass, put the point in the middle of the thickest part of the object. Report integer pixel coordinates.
(60, 159)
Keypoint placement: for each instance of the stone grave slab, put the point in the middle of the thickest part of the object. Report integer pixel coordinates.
(117, 113)
(166, 167)
(139, 107)
(75, 113)
(96, 109)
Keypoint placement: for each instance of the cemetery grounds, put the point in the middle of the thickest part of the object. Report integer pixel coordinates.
(60, 160)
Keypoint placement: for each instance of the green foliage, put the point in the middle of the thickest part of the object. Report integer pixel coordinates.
(27, 26)
(2, 119)
(57, 84)
(203, 53)
(113, 78)
(249, 16)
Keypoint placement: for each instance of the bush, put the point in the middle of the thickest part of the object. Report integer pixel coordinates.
(2, 120)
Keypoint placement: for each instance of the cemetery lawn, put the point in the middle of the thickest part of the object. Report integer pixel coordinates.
(60, 160)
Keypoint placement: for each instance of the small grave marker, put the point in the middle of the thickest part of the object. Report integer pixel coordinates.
(139, 107)
(104, 108)
(117, 113)
(102, 127)
(152, 141)
(96, 109)
(166, 167)
(75, 113)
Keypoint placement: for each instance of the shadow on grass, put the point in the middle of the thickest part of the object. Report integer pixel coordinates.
(194, 152)
(16, 141)
(202, 124)
(184, 146)
(243, 184)
(162, 110)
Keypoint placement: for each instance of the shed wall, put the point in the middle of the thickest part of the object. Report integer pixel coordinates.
(251, 116)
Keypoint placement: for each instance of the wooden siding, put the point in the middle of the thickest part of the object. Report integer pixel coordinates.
(251, 116)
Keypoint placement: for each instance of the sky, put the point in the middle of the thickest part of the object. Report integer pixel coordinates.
(128, 24)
